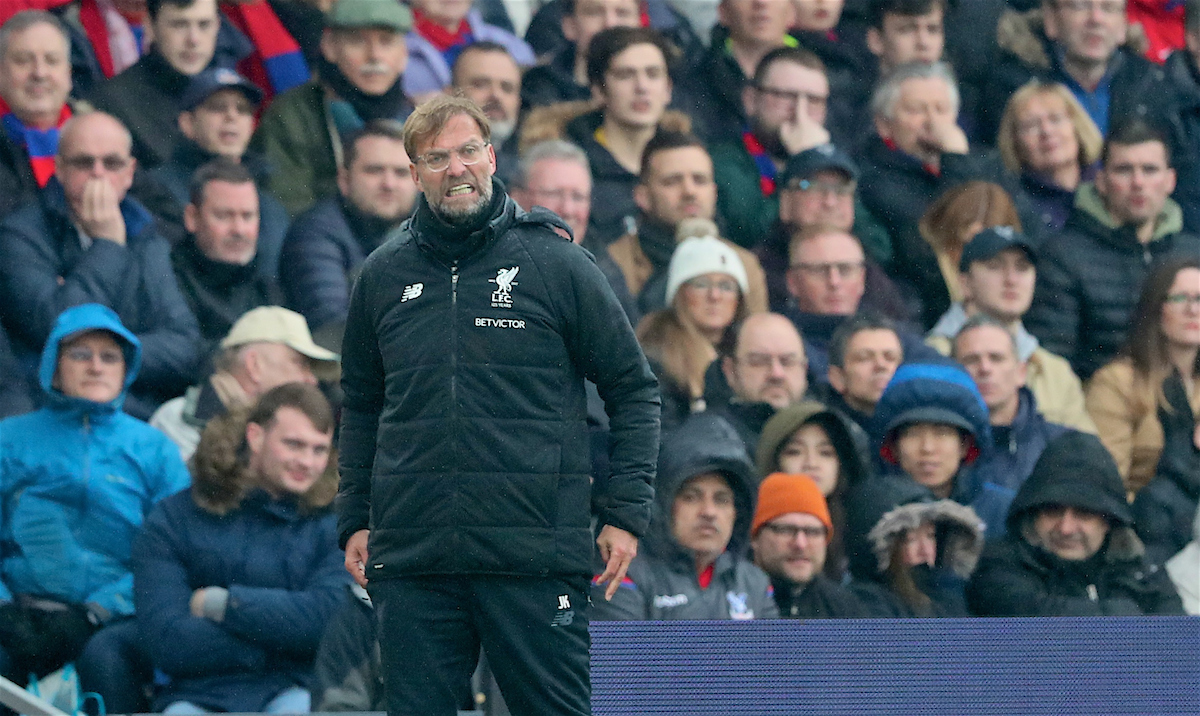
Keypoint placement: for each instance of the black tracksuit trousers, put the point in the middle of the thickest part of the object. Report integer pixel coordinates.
(534, 631)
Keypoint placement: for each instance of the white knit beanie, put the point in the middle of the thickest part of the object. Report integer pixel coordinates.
(698, 256)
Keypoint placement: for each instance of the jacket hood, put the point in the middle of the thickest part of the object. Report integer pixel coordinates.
(959, 533)
(1089, 204)
(930, 393)
(1075, 470)
(1024, 35)
(780, 428)
(868, 504)
(81, 319)
(702, 443)
(956, 317)
(222, 479)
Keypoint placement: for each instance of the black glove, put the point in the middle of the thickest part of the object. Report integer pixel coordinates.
(40, 641)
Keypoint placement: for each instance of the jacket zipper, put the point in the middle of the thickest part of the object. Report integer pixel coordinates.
(454, 337)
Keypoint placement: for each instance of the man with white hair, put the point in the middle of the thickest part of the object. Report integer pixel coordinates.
(555, 174)
(917, 153)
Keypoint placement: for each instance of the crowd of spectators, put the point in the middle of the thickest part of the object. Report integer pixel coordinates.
(920, 282)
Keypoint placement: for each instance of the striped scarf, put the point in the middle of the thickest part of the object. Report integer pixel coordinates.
(276, 65)
(767, 172)
(41, 144)
(116, 41)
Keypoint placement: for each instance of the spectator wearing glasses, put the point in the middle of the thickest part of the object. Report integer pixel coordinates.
(1047, 138)
(706, 288)
(62, 598)
(790, 537)
(766, 372)
(826, 281)
(1164, 343)
(88, 242)
(1081, 44)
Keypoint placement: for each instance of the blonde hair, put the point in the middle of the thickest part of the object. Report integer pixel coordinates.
(671, 338)
(1086, 134)
(946, 219)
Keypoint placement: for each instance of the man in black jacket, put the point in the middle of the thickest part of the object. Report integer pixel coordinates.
(326, 245)
(1070, 549)
(790, 537)
(465, 494)
(146, 96)
(1089, 277)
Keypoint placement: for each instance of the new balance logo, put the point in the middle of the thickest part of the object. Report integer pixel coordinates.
(411, 292)
(565, 615)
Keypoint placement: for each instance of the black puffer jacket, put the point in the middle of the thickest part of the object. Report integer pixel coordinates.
(1165, 509)
(1017, 577)
(1137, 86)
(464, 444)
(1089, 278)
(1181, 72)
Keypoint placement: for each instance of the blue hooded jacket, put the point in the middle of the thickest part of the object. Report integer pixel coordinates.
(76, 480)
(920, 393)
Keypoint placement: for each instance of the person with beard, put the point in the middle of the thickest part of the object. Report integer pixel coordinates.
(1071, 549)
(675, 189)
(303, 133)
(327, 244)
(217, 263)
(216, 119)
(790, 537)
(694, 565)
(487, 74)
(465, 499)
(785, 115)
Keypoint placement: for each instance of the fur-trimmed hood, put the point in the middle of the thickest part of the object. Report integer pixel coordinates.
(221, 478)
(959, 529)
(550, 121)
(1024, 35)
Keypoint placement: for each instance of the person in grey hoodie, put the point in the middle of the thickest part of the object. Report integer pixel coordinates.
(693, 563)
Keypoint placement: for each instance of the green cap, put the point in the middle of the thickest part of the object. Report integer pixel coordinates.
(352, 14)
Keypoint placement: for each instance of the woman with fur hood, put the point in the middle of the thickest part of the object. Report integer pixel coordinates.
(910, 554)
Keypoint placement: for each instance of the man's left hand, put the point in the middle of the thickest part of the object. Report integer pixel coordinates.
(617, 549)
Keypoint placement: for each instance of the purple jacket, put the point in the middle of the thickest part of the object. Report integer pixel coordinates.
(427, 69)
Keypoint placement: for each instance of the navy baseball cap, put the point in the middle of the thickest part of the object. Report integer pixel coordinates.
(818, 159)
(993, 240)
(211, 81)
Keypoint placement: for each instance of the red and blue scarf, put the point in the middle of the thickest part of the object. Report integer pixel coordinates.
(767, 172)
(448, 43)
(277, 64)
(41, 144)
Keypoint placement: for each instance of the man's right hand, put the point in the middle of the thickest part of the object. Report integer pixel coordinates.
(356, 556)
(100, 212)
(803, 132)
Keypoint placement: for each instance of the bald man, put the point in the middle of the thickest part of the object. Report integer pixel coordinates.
(88, 242)
(766, 372)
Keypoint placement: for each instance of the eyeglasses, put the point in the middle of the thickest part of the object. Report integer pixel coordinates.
(844, 269)
(766, 360)
(562, 195)
(1108, 7)
(792, 97)
(723, 285)
(789, 532)
(87, 355)
(1032, 126)
(823, 187)
(1183, 299)
(85, 162)
(438, 160)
